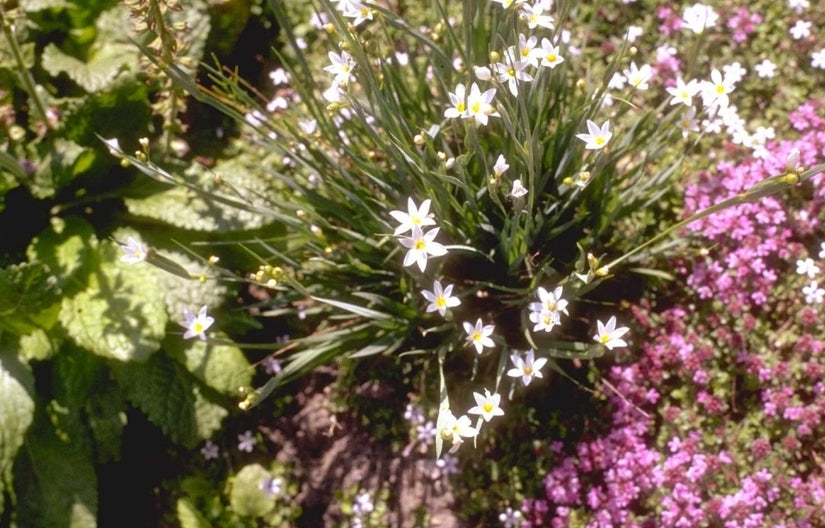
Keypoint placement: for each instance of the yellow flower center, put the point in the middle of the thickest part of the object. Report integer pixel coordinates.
(600, 141)
(604, 338)
(198, 327)
(460, 107)
(488, 407)
(476, 336)
(420, 245)
(525, 52)
(528, 370)
(476, 107)
(440, 302)
(720, 89)
(551, 57)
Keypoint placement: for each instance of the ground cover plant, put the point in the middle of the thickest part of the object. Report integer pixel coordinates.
(575, 223)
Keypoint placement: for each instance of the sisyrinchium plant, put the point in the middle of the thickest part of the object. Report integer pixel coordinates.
(496, 154)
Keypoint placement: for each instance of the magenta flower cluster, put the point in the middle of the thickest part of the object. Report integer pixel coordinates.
(719, 421)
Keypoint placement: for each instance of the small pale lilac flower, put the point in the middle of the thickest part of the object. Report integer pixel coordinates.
(526, 367)
(479, 335)
(134, 251)
(246, 441)
(210, 450)
(440, 298)
(421, 246)
(765, 69)
(196, 325)
(272, 486)
(519, 190)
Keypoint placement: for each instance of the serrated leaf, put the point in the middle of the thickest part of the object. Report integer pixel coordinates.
(38, 345)
(27, 290)
(121, 315)
(163, 390)
(189, 516)
(16, 412)
(180, 293)
(208, 414)
(246, 497)
(105, 63)
(69, 248)
(171, 398)
(220, 366)
(77, 375)
(55, 481)
(106, 419)
(60, 161)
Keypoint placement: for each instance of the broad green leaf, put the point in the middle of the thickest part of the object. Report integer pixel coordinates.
(16, 412)
(27, 291)
(77, 375)
(220, 366)
(106, 417)
(106, 60)
(69, 248)
(161, 388)
(38, 345)
(208, 414)
(121, 315)
(189, 516)
(7, 58)
(55, 481)
(60, 161)
(247, 498)
(31, 6)
(180, 293)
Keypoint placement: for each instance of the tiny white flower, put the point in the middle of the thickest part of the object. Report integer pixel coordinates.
(818, 59)
(421, 246)
(440, 298)
(765, 69)
(487, 405)
(716, 90)
(549, 54)
(535, 17)
(800, 30)
(799, 5)
(822, 250)
(455, 429)
(511, 518)
(526, 367)
(597, 137)
(699, 17)
(638, 77)
(500, 166)
(196, 325)
(518, 189)
(813, 293)
(341, 66)
(479, 335)
(134, 251)
(684, 93)
(807, 267)
(458, 100)
(480, 104)
(414, 217)
(633, 32)
(688, 122)
(609, 335)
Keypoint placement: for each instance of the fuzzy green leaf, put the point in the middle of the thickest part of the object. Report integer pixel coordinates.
(16, 412)
(38, 345)
(106, 417)
(55, 481)
(108, 57)
(69, 248)
(162, 389)
(189, 516)
(220, 366)
(208, 414)
(121, 315)
(247, 498)
(27, 291)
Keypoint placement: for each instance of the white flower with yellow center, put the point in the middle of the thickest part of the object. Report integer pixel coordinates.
(421, 246)
(487, 405)
(479, 335)
(440, 298)
(196, 325)
(609, 335)
(597, 137)
(527, 367)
